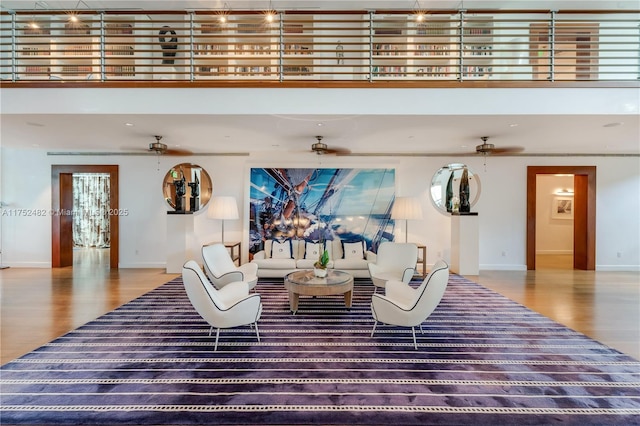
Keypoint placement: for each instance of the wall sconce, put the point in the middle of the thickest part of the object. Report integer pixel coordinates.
(565, 192)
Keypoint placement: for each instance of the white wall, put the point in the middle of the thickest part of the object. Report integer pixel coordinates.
(502, 205)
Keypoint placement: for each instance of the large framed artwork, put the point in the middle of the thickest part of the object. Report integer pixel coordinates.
(321, 204)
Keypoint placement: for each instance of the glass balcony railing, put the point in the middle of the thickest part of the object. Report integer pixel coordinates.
(320, 46)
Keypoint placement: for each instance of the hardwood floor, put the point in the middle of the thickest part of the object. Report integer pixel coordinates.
(38, 305)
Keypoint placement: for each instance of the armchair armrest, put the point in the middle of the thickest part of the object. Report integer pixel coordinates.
(260, 255)
(233, 292)
(249, 269)
(244, 311)
(400, 293)
(408, 274)
(229, 277)
(371, 256)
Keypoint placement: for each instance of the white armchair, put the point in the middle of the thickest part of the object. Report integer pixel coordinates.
(394, 261)
(405, 306)
(231, 306)
(221, 269)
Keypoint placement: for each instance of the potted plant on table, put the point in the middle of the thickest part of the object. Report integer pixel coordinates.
(320, 267)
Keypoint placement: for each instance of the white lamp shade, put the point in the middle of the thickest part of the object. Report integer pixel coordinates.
(222, 208)
(407, 208)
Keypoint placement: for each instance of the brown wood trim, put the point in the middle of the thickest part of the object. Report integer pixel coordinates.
(60, 246)
(584, 221)
(183, 84)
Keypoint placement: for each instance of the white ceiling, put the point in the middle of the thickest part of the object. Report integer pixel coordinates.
(362, 134)
(450, 132)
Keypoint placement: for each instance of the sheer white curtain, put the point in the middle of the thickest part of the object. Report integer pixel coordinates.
(91, 210)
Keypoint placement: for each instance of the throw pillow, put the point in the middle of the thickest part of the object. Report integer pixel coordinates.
(353, 250)
(281, 249)
(312, 250)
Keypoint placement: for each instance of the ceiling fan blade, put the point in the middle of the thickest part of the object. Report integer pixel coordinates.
(177, 152)
(338, 151)
(507, 150)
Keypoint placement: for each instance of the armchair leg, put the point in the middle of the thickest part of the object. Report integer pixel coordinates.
(210, 330)
(215, 348)
(421, 330)
(413, 331)
(257, 333)
(374, 327)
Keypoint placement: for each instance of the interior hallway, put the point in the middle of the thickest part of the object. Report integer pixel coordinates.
(38, 305)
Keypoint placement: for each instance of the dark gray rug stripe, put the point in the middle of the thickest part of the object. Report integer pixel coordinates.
(482, 359)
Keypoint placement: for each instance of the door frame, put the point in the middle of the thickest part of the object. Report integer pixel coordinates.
(62, 201)
(584, 221)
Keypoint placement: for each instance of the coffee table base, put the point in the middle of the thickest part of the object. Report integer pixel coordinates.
(304, 283)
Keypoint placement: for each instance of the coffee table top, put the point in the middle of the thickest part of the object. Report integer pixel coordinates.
(307, 277)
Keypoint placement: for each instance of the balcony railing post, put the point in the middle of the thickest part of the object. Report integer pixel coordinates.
(103, 69)
(461, 47)
(552, 46)
(14, 50)
(371, 46)
(281, 47)
(191, 40)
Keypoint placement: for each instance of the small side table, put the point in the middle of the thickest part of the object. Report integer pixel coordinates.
(235, 250)
(421, 265)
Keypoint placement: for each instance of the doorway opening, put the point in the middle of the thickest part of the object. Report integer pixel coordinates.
(65, 211)
(90, 229)
(554, 221)
(581, 207)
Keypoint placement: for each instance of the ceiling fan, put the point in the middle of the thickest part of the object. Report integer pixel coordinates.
(490, 149)
(162, 149)
(321, 148)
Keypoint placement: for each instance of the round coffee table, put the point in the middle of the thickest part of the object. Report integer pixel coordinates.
(305, 283)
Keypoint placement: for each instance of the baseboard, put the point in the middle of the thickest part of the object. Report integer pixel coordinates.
(618, 268)
(27, 265)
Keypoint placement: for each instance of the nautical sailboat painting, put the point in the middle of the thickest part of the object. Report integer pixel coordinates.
(321, 204)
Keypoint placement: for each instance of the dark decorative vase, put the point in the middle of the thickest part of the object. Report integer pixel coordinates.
(449, 195)
(465, 207)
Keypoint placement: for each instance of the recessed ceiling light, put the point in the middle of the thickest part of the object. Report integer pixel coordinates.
(513, 125)
(616, 124)
(129, 124)
(319, 124)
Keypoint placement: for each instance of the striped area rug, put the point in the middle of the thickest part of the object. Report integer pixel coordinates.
(482, 360)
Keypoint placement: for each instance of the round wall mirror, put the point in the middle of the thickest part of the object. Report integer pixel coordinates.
(447, 180)
(187, 187)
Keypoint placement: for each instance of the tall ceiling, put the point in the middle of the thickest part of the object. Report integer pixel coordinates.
(447, 132)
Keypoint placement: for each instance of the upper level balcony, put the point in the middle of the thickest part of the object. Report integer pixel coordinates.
(356, 48)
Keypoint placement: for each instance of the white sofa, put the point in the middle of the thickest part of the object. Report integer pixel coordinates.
(275, 261)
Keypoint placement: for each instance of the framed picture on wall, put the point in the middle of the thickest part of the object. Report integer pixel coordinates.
(562, 208)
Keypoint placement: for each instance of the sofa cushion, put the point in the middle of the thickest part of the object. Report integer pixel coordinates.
(275, 264)
(308, 263)
(346, 264)
(354, 250)
(281, 249)
(312, 250)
